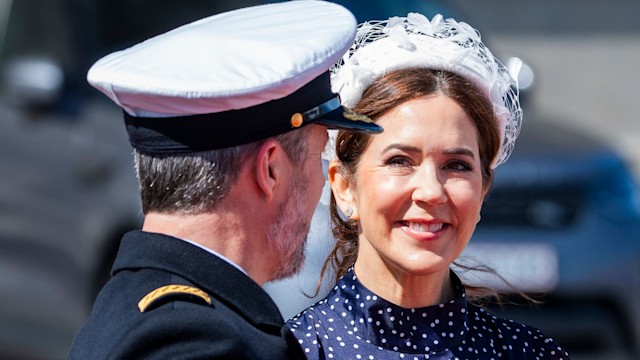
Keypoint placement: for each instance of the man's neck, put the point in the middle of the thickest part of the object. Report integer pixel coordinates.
(226, 234)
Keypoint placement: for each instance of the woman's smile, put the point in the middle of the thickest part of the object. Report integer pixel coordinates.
(423, 230)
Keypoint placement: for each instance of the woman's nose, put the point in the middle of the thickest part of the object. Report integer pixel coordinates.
(428, 187)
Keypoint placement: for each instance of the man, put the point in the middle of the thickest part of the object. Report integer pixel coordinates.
(228, 118)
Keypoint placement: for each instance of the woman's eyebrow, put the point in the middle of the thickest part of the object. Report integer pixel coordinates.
(451, 151)
(460, 151)
(400, 146)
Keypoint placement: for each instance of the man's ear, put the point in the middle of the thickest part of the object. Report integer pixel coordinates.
(270, 167)
(342, 191)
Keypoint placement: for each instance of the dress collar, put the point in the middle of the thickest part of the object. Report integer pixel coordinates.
(389, 326)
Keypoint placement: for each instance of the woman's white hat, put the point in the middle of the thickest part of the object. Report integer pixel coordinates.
(442, 44)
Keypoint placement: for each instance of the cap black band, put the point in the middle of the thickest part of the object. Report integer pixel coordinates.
(184, 134)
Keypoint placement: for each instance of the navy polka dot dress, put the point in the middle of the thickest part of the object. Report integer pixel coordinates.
(354, 323)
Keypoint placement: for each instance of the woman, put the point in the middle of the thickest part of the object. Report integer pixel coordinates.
(410, 198)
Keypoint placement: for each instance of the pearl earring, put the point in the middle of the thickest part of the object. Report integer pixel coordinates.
(348, 212)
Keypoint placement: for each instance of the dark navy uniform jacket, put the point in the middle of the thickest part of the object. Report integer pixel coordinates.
(169, 299)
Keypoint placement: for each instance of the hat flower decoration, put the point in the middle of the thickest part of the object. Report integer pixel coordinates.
(441, 44)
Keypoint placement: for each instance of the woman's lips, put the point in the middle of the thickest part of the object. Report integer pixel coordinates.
(421, 227)
(422, 230)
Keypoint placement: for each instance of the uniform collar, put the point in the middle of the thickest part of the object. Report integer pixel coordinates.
(216, 254)
(210, 273)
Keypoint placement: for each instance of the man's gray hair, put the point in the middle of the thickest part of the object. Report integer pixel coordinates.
(195, 183)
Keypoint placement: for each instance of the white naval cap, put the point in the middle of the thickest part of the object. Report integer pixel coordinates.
(232, 78)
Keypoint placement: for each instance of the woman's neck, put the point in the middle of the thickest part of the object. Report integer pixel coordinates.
(405, 289)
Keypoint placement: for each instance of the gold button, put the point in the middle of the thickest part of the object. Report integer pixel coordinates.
(296, 120)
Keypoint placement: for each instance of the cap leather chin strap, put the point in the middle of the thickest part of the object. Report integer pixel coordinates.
(324, 108)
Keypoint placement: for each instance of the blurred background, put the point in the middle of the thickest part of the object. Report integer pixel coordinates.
(561, 223)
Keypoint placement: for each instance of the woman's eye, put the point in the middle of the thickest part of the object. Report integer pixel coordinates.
(458, 165)
(399, 161)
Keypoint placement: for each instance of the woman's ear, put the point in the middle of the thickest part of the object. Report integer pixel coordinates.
(485, 190)
(343, 191)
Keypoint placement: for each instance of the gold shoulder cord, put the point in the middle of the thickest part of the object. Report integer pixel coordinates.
(160, 292)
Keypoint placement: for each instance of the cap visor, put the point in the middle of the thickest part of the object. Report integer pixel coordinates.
(346, 119)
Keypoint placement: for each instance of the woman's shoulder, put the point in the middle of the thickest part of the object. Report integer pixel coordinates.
(306, 327)
(304, 318)
(513, 337)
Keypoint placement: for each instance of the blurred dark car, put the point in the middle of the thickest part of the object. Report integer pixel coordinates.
(67, 190)
(561, 220)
